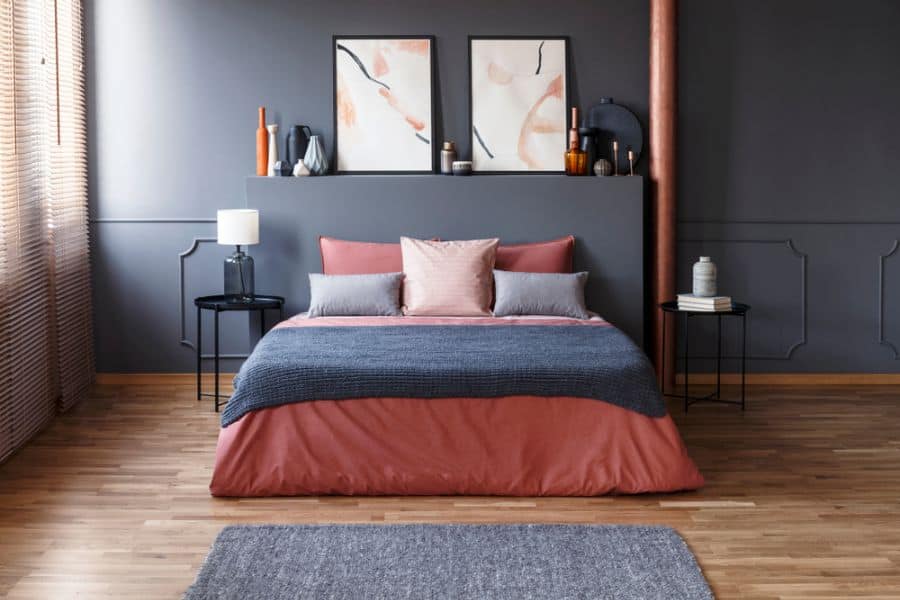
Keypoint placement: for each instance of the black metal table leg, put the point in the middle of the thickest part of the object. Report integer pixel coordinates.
(216, 360)
(262, 322)
(199, 353)
(743, 358)
(719, 357)
(687, 367)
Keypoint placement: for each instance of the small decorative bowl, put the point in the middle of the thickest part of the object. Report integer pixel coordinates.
(462, 167)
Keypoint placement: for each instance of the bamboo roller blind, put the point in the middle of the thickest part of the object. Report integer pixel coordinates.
(46, 346)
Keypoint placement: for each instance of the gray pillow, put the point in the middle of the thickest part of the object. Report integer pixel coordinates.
(553, 294)
(354, 295)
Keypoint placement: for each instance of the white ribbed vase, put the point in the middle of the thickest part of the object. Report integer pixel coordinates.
(273, 149)
(704, 277)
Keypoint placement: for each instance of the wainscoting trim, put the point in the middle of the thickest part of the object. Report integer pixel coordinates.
(881, 260)
(151, 220)
(779, 222)
(181, 258)
(803, 293)
(793, 379)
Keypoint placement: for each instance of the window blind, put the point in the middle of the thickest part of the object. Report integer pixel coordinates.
(46, 357)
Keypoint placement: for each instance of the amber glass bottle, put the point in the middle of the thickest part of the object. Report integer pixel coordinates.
(576, 158)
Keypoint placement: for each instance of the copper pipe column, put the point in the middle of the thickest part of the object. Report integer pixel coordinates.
(663, 112)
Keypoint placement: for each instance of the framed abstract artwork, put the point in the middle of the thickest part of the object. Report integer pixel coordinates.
(383, 104)
(518, 103)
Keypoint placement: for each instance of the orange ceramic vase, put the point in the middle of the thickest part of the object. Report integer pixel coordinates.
(262, 145)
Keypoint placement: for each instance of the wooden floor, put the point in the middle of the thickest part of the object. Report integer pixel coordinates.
(802, 501)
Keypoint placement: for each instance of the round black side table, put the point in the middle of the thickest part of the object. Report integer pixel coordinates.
(219, 304)
(737, 310)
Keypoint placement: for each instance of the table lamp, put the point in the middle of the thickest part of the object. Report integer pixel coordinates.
(238, 227)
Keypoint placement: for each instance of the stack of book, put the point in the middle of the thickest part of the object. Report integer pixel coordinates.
(703, 303)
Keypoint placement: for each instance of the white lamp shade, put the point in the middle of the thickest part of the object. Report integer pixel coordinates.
(237, 227)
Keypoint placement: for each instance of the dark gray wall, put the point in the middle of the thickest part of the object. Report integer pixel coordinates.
(173, 91)
(789, 141)
(789, 145)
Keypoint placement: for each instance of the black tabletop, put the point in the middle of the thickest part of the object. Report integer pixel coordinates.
(737, 308)
(229, 303)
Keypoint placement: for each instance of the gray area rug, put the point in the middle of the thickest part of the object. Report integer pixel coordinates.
(449, 561)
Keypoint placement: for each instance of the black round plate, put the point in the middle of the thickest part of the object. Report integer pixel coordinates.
(615, 122)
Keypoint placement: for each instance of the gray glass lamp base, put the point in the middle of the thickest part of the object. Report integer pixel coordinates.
(239, 277)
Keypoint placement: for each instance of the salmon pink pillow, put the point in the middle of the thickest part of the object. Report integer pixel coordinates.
(342, 257)
(450, 279)
(554, 256)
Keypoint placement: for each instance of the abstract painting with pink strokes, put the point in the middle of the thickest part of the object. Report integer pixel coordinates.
(383, 104)
(519, 103)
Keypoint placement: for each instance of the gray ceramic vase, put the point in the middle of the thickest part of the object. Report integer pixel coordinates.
(316, 160)
(704, 277)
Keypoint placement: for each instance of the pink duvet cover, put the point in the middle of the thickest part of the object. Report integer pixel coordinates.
(510, 446)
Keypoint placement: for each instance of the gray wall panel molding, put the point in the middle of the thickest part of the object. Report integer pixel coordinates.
(789, 244)
(779, 222)
(183, 256)
(157, 220)
(881, 337)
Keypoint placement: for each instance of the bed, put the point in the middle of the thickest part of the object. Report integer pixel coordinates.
(514, 406)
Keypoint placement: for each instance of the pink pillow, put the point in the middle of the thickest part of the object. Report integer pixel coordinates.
(342, 257)
(448, 278)
(554, 256)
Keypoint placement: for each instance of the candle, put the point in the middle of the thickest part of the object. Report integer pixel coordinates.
(630, 161)
(615, 153)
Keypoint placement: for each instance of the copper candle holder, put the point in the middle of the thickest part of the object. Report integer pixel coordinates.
(615, 153)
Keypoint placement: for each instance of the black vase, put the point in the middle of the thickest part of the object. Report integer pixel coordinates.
(589, 145)
(297, 141)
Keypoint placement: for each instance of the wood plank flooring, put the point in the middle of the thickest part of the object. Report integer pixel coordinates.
(802, 500)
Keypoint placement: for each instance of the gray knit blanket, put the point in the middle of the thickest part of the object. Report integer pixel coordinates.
(298, 364)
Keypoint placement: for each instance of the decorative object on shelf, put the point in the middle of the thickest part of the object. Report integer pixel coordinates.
(238, 227)
(573, 128)
(462, 167)
(283, 168)
(296, 143)
(588, 144)
(631, 162)
(603, 168)
(576, 158)
(273, 149)
(262, 145)
(518, 95)
(704, 277)
(448, 156)
(300, 169)
(615, 156)
(315, 159)
(615, 122)
(384, 104)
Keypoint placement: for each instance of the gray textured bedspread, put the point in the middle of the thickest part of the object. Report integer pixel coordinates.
(297, 364)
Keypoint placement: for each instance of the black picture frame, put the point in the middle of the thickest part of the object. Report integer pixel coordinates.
(431, 58)
(568, 93)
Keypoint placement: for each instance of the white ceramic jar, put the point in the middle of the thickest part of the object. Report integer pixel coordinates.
(704, 277)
